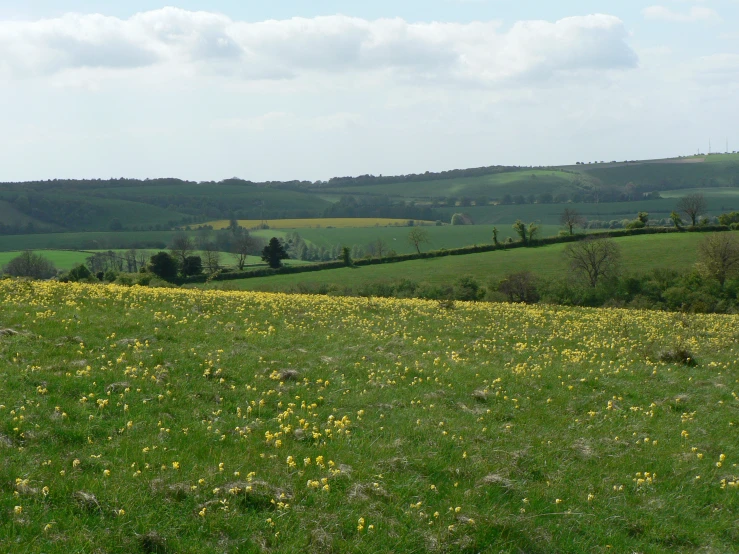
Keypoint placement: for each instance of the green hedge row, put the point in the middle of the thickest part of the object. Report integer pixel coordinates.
(475, 249)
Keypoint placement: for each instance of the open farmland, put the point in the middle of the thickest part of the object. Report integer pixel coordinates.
(133, 419)
(447, 236)
(319, 223)
(639, 253)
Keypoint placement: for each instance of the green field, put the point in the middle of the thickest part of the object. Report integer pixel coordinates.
(639, 254)
(154, 420)
(715, 171)
(524, 181)
(446, 236)
(65, 260)
(86, 241)
(321, 222)
(719, 201)
(62, 259)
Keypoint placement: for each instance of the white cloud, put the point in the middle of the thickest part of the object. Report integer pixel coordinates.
(191, 43)
(695, 14)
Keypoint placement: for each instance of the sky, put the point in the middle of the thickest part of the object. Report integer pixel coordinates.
(312, 89)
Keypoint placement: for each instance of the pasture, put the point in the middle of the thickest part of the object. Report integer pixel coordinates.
(396, 238)
(319, 223)
(62, 259)
(154, 420)
(639, 254)
(719, 200)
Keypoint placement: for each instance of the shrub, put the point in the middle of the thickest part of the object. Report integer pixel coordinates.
(79, 273)
(467, 288)
(520, 287)
(193, 265)
(29, 264)
(163, 265)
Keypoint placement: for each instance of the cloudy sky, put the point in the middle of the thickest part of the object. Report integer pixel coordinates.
(310, 89)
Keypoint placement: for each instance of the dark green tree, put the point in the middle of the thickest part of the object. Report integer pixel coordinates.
(80, 273)
(274, 253)
(193, 266)
(346, 256)
(163, 265)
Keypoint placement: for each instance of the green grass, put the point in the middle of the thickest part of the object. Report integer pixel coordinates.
(62, 259)
(719, 201)
(84, 241)
(446, 236)
(9, 215)
(152, 420)
(525, 181)
(715, 171)
(639, 253)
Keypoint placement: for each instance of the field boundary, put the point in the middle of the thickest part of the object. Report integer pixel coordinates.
(474, 249)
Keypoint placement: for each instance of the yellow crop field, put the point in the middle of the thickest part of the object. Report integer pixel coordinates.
(321, 223)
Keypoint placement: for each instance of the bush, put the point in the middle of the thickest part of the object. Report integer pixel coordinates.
(163, 265)
(79, 273)
(467, 288)
(519, 287)
(110, 275)
(124, 280)
(29, 264)
(193, 266)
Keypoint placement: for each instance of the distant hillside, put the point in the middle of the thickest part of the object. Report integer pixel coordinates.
(154, 204)
(599, 182)
(160, 204)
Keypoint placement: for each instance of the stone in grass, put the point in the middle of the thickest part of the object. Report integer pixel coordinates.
(289, 375)
(87, 501)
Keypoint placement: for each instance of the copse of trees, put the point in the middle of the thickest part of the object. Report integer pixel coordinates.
(30, 264)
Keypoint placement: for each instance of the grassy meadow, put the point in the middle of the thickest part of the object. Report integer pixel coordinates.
(719, 200)
(62, 259)
(318, 223)
(446, 236)
(639, 254)
(159, 420)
